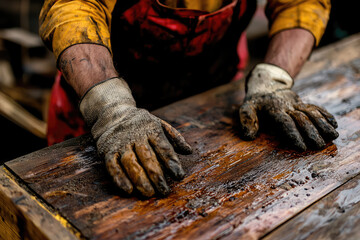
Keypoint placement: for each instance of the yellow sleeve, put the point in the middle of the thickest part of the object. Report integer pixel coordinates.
(64, 23)
(311, 15)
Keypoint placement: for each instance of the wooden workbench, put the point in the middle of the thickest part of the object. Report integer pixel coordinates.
(233, 188)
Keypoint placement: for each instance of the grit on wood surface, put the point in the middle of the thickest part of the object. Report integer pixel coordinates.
(336, 216)
(233, 188)
(24, 217)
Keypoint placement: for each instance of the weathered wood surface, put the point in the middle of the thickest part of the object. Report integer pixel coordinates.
(336, 216)
(24, 216)
(233, 188)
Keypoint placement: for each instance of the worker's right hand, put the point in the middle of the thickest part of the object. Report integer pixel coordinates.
(132, 141)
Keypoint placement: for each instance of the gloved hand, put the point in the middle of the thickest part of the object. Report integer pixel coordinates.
(269, 97)
(131, 140)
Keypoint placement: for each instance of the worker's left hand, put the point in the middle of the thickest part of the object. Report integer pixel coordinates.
(269, 97)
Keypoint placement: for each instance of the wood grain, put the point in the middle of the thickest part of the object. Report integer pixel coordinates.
(336, 216)
(233, 189)
(23, 216)
(331, 56)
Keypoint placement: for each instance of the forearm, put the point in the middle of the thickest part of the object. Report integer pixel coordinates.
(290, 49)
(84, 65)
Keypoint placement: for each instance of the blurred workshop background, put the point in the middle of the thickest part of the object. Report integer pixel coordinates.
(27, 68)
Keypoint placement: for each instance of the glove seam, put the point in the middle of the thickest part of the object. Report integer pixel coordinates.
(93, 86)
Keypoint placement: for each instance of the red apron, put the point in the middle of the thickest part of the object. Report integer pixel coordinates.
(164, 54)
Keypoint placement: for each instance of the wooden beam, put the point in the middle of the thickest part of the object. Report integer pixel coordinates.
(6, 75)
(22, 37)
(17, 114)
(24, 216)
(32, 97)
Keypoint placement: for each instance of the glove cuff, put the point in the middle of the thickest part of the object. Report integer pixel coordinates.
(267, 78)
(106, 95)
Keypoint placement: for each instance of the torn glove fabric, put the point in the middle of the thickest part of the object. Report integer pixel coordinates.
(269, 98)
(133, 142)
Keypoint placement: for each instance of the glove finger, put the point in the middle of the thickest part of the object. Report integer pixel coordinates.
(167, 155)
(177, 140)
(309, 131)
(116, 172)
(326, 130)
(136, 173)
(288, 129)
(152, 167)
(248, 120)
(329, 117)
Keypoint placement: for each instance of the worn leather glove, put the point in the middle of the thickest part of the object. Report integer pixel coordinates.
(131, 140)
(270, 98)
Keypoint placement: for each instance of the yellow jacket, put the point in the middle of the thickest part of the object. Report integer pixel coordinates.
(64, 23)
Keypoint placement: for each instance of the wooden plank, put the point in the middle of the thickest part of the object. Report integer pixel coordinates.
(23, 216)
(331, 56)
(22, 37)
(31, 97)
(337, 216)
(233, 189)
(20, 116)
(7, 77)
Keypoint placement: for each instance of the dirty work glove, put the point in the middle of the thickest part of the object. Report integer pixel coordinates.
(269, 97)
(132, 141)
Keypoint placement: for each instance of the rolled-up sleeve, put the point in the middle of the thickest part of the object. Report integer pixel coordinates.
(64, 23)
(311, 15)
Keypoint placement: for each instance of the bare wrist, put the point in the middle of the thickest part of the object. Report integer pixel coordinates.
(85, 65)
(290, 49)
